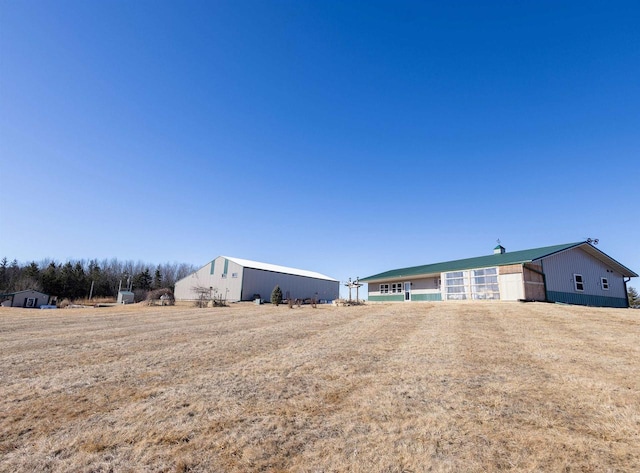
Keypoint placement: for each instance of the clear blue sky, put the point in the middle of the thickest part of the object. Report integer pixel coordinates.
(347, 138)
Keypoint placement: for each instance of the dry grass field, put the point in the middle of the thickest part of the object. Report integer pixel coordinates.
(377, 388)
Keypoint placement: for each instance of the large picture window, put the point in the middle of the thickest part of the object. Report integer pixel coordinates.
(484, 284)
(456, 283)
(472, 284)
(396, 288)
(384, 289)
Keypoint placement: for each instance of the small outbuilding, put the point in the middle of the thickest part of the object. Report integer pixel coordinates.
(235, 279)
(126, 297)
(29, 299)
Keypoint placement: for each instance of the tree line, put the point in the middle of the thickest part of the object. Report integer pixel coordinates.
(74, 279)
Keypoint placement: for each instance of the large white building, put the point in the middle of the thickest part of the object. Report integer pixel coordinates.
(236, 279)
(574, 273)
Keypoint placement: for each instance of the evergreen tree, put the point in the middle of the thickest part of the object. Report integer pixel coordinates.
(32, 271)
(157, 279)
(142, 280)
(634, 297)
(80, 285)
(66, 281)
(51, 280)
(4, 264)
(276, 296)
(13, 274)
(95, 275)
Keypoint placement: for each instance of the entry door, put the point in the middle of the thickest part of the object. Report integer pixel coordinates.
(407, 291)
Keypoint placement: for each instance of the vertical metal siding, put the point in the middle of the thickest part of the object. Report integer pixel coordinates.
(560, 268)
(258, 281)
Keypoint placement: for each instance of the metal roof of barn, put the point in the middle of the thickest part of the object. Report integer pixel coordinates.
(278, 269)
(20, 292)
(514, 257)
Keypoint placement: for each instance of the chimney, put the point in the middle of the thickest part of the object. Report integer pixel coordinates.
(499, 250)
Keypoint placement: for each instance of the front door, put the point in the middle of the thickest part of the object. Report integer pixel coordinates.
(407, 291)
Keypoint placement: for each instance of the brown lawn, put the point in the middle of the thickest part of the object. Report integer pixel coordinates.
(378, 388)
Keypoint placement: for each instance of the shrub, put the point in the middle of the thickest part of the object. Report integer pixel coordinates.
(162, 296)
(276, 296)
(139, 295)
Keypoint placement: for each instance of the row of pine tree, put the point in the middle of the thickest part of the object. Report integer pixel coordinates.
(73, 279)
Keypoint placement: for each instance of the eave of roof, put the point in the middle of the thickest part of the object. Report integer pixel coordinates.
(514, 257)
(20, 292)
(609, 261)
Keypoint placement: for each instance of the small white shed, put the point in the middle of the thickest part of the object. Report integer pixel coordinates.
(125, 297)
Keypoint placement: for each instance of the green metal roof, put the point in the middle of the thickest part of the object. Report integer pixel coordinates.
(513, 257)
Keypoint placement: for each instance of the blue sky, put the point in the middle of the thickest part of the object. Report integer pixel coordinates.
(347, 138)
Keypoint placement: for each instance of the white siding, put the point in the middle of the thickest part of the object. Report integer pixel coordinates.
(511, 287)
(211, 276)
(425, 286)
(560, 268)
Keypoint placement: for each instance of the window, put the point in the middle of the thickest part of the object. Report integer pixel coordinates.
(396, 287)
(224, 275)
(578, 281)
(484, 284)
(234, 275)
(473, 284)
(384, 289)
(605, 284)
(456, 283)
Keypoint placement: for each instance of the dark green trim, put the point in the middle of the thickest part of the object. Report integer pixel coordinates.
(387, 298)
(586, 299)
(426, 297)
(226, 266)
(213, 267)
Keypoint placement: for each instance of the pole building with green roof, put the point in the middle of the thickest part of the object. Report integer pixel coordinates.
(573, 273)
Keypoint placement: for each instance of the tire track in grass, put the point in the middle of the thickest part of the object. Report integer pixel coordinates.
(402, 421)
(524, 400)
(318, 378)
(273, 335)
(608, 339)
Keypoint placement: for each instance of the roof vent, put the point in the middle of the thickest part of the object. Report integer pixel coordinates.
(499, 250)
